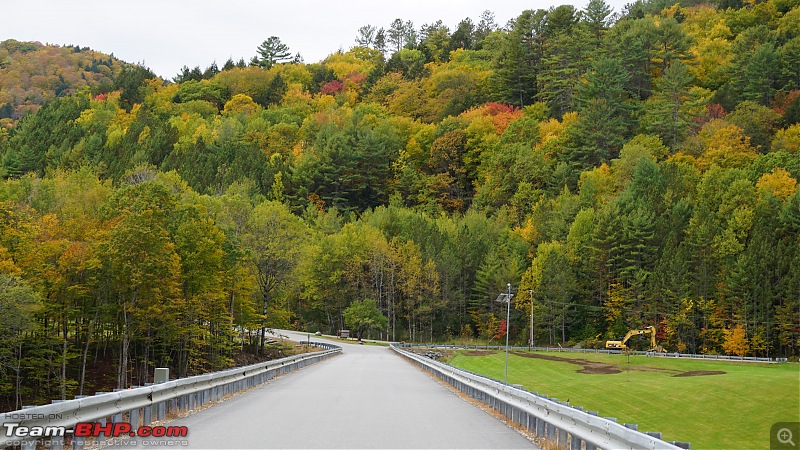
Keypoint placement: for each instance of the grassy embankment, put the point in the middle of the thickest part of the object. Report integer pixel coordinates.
(730, 410)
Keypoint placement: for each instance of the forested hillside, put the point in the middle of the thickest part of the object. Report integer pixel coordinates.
(32, 73)
(619, 171)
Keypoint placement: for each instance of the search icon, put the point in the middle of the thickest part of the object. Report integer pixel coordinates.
(785, 436)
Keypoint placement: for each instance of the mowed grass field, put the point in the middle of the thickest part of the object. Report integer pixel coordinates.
(678, 397)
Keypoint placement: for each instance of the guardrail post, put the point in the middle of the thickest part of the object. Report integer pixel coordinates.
(540, 428)
(56, 442)
(133, 418)
(589, 445)
(574, 443)
(147, 417)
(161, 410)
(562, 438)
(117, 418)
(102, 420)
(550, 432)
(78, 442)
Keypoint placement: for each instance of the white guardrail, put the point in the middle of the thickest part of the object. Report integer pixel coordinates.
(566, 426)
(142, 405)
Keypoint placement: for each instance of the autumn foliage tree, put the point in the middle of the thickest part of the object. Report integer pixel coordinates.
(622, 170)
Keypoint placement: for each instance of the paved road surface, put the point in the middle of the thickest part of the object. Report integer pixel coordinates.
(367, 397)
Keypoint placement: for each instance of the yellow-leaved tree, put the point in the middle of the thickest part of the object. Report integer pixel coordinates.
(787, 139)
(725, 145)
(736, 341)
(779, 183)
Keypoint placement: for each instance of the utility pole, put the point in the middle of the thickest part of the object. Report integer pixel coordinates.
(530, 342)
(508, 318)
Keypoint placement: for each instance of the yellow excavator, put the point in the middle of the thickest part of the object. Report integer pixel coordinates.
(620, 345)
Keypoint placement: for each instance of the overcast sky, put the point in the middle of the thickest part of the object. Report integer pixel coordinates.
(165, 35)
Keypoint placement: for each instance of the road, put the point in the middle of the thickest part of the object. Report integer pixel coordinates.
(367, 397)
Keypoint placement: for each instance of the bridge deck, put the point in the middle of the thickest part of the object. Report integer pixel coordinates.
(367, 397)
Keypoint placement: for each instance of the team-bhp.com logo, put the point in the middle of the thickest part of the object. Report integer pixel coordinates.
(93, 429)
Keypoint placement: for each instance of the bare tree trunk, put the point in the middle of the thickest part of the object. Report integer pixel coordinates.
(144, 377)
(86, 351)
(233, 301)
(64, 366)
(330, 320)
(122, 374)
(17, 395)
(393, 314)
(263, 324)
(431, 334)
(261, 339)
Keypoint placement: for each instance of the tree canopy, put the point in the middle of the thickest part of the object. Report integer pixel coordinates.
(620, 170)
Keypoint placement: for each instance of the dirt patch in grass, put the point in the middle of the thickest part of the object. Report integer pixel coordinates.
(654, 369)
(590, 367)
(598, 368)
(478, 353)
(700, 373)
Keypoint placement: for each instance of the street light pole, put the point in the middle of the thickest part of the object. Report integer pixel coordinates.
(507, 298)
(508, 317)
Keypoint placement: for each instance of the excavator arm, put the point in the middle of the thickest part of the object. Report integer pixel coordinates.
(623, 343)
(633, 333)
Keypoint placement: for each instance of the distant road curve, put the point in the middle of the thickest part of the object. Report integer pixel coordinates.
(367, 397)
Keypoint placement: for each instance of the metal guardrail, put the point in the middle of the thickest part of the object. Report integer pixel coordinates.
(601, 351)
(566, 426)
(140, 406)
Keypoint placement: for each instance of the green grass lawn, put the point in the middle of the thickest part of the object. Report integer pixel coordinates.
(734, 410)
